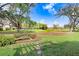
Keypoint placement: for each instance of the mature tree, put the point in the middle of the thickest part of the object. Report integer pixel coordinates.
(30, 23)
(42, 26)
(56, 26)
(15, 12)
(66, 26)
(72, 12)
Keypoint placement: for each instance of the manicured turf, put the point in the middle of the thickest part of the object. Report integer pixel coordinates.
(61, 45)
(66, 44)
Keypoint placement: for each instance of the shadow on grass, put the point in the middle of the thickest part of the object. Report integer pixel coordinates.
(25, 50)
(68, 48)
(61, 49)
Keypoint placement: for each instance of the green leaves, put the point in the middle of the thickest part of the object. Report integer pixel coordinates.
(6, 40)
(15, 13)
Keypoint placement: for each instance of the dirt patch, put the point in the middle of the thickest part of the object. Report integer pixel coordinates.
(54, 33)
(37, 36)
(26, 40)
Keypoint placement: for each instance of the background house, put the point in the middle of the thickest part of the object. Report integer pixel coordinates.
(6, 24)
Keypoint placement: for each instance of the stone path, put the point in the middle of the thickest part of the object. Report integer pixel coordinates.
(38, 49)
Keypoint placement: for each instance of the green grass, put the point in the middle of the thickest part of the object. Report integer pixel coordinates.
(27, 31)
(61, 45)
(67, 45)
(61, 38)
(18, 50)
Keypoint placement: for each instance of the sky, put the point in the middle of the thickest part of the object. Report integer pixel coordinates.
(45, 13)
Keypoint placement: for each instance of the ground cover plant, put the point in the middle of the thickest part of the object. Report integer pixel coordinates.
(6, 40)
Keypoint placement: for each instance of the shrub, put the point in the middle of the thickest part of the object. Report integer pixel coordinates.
(7, 29)
(49, 30)
(14, 28)
(27, 31)
(6, 40)
(1, 29)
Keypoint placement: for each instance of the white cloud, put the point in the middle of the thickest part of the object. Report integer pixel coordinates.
(42, 21)
(50, 8)
(52, 11)
(55, 22)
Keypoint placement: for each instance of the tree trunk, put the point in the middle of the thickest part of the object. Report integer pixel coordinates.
(72, 24)
(71, 30)
(18, 27)
(70, 18)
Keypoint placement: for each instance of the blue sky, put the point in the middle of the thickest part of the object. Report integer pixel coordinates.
(44, 13)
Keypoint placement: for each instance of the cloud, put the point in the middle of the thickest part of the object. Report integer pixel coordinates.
(42, 21)
(52, 11)
(50, 8)
(55, 22)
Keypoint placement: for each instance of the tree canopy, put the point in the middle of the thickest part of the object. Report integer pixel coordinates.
(72, 12)
(15, 12)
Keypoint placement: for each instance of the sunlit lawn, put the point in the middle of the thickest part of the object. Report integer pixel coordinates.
(67, 44)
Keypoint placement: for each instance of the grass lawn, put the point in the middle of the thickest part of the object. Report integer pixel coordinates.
(18, 50)
(61, 45)
(51, 44)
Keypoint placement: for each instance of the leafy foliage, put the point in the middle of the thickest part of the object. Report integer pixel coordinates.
(15, 12)
(72, 12)
(6, 40)
(43, 26)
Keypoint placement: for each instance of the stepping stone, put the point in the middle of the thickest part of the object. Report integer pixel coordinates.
(38, 48)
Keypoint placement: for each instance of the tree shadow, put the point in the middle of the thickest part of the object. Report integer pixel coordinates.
(67, 48)
(25, 50)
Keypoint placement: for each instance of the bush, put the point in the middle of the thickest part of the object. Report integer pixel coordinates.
(43, 28)
(6, 40)
(1, 29)
(14, 28)
(7, 29)
(27, 31)
(49, 30)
